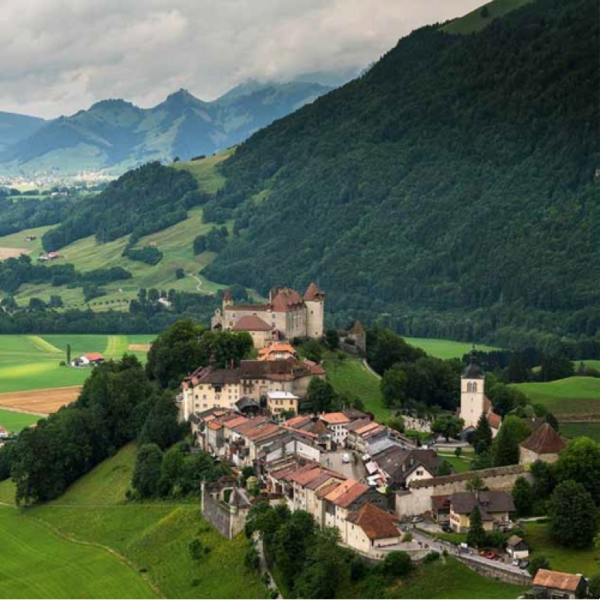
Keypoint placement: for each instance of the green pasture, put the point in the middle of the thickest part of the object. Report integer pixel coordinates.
(475, 21)
(446, 348)
(572, 430)
(565, 396)
(564, 559)
(15, 421)
(448, 578)
(30, 362)
(37, 562)
(153, 536)
(351, 376)
(209, 178)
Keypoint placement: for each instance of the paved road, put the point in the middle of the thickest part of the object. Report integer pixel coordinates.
(440, 546)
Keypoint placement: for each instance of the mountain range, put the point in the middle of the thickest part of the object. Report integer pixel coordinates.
(115, 135)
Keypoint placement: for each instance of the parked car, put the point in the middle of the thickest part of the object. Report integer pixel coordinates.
(516, 562)
(446, 528)
(523, 564)
(491, 555)
(417, 519)
(345, 457)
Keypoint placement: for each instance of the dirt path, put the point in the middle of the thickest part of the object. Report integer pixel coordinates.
(199, 286)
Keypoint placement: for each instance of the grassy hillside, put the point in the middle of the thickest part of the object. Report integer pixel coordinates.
(446, 348)
(449, 190)
(153, 536)
(175, 242)
(351, 375)
(481, 17)
(565, 396)
(37, 562)
(591, 430)
(561, 558)
(29, 362)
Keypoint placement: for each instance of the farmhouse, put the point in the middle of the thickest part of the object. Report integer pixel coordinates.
(88, 360)
(370, 527)
(4, 433)
(543, 444)
(516, 547)
(473, 401)
(554, 584)
(286, 315)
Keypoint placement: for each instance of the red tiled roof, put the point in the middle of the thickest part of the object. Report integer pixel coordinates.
(306, 477)
(544, 440)
(324, 492)
(313, 292)
(352, 495)
(94, 356)
(494, 420)
(285, 300)
(251, 323)
(335, 418)
(376, 523)
(557, 580)
(370, 427)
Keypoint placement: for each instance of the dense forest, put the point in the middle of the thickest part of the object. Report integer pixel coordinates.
(26, 213)
(142, 201)
(450, 191)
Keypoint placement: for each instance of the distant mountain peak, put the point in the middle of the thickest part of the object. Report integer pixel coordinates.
(182, 98)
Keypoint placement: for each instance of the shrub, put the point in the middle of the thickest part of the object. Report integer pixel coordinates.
(431, 557)
(196, 549)
(397, 564)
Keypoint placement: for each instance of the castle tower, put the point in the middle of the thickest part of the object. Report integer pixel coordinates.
(227, 299)
(472, 393)
(314, 299)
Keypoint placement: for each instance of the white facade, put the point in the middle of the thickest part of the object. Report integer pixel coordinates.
(472, 400)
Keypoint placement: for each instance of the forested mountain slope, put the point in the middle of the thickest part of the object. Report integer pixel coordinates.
(449, 191)
(14, 128)
(117, 135)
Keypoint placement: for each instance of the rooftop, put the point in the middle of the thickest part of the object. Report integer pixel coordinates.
(557, 580)
(544, 440)
(376, 523)
(251, 323)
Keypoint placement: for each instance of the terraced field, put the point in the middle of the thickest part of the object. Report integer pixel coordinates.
(446, 348)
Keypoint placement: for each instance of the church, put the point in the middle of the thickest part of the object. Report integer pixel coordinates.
(473, 401)
(285, 316)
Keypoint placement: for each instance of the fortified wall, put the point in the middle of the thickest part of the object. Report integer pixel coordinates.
(417, 500)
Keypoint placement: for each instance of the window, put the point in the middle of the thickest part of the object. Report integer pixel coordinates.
(474, 387)
(469, 387)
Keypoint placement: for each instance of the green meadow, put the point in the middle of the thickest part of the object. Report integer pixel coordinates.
(475, 21)
(31, 362)
(565, 396)
(351, 376)
(16, 421)
(571, 430)
(564, 559)
(153, 537)
(446, 348)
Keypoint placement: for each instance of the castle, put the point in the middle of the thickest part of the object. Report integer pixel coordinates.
(286, 315)
(473, 401)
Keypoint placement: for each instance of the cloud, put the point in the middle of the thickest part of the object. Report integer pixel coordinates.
(58, 56)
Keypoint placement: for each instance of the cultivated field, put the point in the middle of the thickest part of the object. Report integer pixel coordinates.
(573, 395)
(30, 362)
(153, 537)
(42, 402)
(446, 348)
(11, 252)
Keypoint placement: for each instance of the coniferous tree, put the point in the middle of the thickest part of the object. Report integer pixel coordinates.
(476, 534)
(482, 440)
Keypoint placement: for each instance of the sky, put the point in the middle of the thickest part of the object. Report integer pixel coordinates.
(60, 56)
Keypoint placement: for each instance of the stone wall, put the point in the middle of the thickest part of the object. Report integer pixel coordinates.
(217, 515)
(489, 570)
(417, 500)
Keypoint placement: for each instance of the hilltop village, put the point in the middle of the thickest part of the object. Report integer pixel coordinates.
(382, 490)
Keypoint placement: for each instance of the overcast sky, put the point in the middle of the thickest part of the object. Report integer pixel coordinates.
(58, 56)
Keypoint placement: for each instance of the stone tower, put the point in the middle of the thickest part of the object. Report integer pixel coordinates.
(314, 299)
(472, 393)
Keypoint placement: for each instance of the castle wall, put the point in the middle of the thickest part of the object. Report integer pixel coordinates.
(315, 314)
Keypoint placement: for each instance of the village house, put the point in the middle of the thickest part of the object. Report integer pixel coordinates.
(554, 584)
(495, 508)
(370, 528)
(473, 401)
(399, 467)
(364, 432)
(516, 547)
(277, 351)
(209, 387)
(311, 426)
(336, 422)
(543, 444)
(286, 315)
(282, 402)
